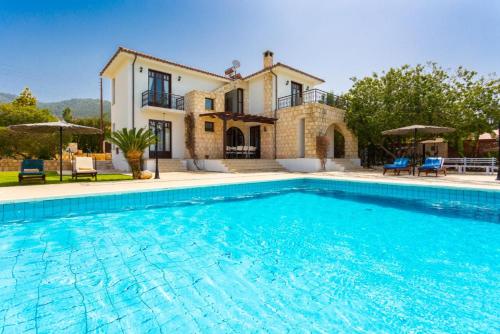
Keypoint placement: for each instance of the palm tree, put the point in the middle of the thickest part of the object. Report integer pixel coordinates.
(133, 143)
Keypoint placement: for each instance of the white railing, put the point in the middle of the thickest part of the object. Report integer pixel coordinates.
(462, 164)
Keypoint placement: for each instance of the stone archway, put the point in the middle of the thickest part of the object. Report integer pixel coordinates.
(337, 147)
(234, 137)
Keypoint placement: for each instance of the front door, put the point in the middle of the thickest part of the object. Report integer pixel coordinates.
(159, 86)
(255, 139)
(164, 131)
(296, 94)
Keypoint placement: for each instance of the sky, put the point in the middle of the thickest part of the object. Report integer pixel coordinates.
(58, 48)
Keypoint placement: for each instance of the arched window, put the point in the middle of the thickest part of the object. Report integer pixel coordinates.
(234, 137)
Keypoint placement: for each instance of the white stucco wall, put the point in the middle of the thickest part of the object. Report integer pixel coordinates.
(189, 81)
(256, 96)
(121, 111)
(178, 129)
(284, 76)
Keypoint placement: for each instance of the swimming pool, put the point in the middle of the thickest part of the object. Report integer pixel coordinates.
(298, 255)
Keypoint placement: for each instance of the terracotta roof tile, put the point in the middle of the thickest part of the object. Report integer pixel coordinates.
(285, 66)
(143, 55)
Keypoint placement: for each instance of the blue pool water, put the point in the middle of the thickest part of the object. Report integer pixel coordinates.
(296, 257)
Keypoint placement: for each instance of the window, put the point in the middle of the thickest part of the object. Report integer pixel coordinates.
(209, 104)
(209, 126)
(240, 101)
(160, 88)
(113, 91)
(234, 101)
(228, 101)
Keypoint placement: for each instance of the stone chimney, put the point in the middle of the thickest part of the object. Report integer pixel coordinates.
(268, 59)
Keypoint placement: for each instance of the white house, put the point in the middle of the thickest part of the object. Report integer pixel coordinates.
(273, 114)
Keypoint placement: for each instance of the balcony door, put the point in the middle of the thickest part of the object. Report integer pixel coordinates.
(296, 94)
(164, 129)
(234, 101)
(160, 87)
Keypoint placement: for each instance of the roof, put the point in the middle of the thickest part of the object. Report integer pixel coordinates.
(285, 66)
(168, 62)
(144, 55)
(488, 136)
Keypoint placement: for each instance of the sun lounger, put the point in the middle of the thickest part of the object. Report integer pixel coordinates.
(432, 165)
(31, 169)
(84, 166)
(398, 165)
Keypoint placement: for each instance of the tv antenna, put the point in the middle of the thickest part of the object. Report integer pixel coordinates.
(231, 71)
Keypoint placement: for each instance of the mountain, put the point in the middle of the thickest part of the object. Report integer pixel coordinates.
(80, 108)
(6, 97)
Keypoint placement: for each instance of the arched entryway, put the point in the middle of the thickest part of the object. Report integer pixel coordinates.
(234, 137)
(336, 149)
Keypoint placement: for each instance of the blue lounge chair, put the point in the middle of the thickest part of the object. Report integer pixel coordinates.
(31, 169)
(432, 165)
(398, 165)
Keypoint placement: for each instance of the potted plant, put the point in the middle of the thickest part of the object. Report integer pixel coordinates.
(133, 142)
(322, 144)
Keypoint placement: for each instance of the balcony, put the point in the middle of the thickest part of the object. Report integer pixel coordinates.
(162, 100)
(312, 96)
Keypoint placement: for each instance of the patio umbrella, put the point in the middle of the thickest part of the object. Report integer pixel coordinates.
(50, 127)
(414, 129)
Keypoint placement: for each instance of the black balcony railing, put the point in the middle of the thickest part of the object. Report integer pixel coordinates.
(312, 96)
(162, 100)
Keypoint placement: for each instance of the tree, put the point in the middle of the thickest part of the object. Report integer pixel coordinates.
(66, 114)
(91, 143)
(13, 144)
(424, 94)
(11, 113)
(25, 99)
(133, 142)
(476, 106)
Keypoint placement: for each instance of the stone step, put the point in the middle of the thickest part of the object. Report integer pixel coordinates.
(171, 165)
(251, 162)
(105, 166)
(252, 165)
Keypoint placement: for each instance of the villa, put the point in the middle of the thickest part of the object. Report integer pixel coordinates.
(268, 119)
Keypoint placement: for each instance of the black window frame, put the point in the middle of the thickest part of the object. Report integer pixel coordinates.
(239, 101)
(234, 101)
(212, 103)
(209, 126)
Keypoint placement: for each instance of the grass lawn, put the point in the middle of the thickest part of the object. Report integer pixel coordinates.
(10, 178)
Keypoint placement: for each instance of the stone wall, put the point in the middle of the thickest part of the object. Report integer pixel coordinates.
(318, 117)
(208, 144)
(267, 141)
(268, 95)
(11, 165)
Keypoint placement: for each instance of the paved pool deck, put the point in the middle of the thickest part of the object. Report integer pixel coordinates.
(192, 179)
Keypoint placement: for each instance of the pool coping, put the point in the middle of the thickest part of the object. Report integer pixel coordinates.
(226, 182)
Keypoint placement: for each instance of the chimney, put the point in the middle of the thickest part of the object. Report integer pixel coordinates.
(268, 59)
